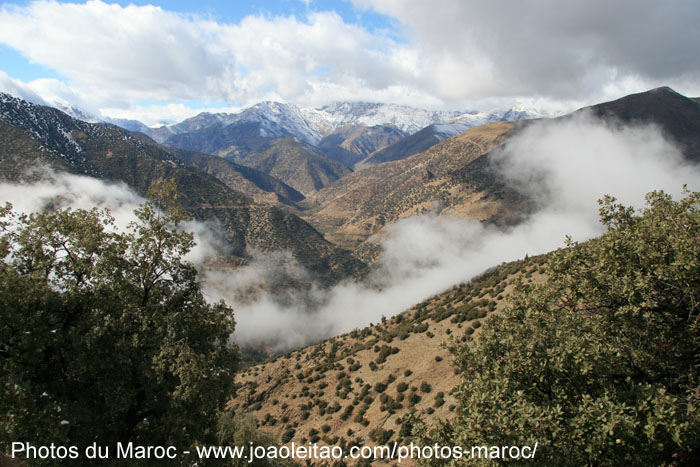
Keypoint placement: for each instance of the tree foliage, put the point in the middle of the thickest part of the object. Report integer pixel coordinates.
(105, 336)
(241, 429)
(600, 364)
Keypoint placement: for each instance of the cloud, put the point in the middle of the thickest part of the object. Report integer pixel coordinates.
(137, 52)
(45, 91)
(19, 88)
(569, 50)
(74, 191)
(293, 56)
(567, 164)
(63, 190)
(463, 54)
(115, 56)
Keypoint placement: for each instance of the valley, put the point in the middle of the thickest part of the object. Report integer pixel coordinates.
(369, 385)
(361, 233)
(317, 223)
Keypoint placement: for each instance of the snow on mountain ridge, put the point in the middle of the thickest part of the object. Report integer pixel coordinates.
(405, 118)
(312, 124)
(468, 120)
(75, 111)
(287, 117)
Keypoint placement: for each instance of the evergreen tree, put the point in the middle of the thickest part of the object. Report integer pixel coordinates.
(105, 336)
(600, 365)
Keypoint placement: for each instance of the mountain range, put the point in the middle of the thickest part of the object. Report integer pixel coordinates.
(368, 386)
(311, 125)
(347, 131)
(344, 131)
(326, 185)
(36, 136)
(348, 169)
(309, 148)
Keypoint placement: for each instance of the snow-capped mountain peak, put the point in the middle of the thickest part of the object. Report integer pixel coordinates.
(311, 125)
(471, 119)
(405, 118)
(277, 118)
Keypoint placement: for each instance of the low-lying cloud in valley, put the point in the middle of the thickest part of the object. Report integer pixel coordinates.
(564, 165)
(62, 190)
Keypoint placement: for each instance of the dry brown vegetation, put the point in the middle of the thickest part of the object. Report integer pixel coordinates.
(364, 387)
(360, 204)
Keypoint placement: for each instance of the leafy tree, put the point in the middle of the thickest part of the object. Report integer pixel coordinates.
(105, 336)
(241, 429)
(600, 364)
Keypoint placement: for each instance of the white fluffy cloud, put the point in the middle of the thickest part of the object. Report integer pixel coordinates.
(64, 190)
(134, 52)
(569, 49)
(19, 88)
(125, 55)
(451, 54)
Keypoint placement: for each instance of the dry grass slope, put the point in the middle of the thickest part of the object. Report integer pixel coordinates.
(364, 387)
(359, 205)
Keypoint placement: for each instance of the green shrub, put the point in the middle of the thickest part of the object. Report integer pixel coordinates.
(599, 363)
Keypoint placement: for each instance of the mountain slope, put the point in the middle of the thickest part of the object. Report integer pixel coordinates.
(297, 164)
(266, 120)
(433, 134)
(234, 140)
(113, 154)
(350, 144)
(362, 388)
(677, 115)
(406, 147)
(362, 203)
(249, 181)
(22, 158)
(127, 124)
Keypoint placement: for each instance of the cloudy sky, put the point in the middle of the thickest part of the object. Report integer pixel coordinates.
(163, 61)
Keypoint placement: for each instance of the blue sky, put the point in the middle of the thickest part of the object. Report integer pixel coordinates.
(234, 11)
(131, 60)
(13, 62)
